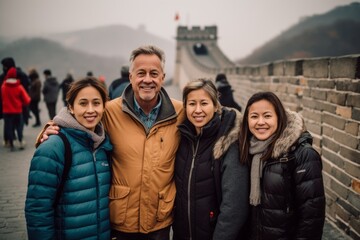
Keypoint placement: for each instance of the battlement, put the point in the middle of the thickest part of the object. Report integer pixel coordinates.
(197, 33)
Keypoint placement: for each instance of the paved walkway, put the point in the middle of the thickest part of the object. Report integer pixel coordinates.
(14, 168)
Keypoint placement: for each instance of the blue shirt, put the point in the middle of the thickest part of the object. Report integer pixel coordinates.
(148, 120)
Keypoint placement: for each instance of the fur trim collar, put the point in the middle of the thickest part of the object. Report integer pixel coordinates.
(295, 127)
(231, 136)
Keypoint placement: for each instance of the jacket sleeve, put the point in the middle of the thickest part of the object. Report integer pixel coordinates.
(309, 196)
(235, 196)
(37, 91)
(44, 176)
(25, 96)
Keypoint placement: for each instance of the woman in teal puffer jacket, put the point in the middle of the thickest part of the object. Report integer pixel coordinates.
(82, 211)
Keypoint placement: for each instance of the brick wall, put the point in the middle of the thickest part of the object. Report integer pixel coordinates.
(326, 91)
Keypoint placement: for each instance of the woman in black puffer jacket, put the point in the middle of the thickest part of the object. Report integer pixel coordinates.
(287, 193)
(211, 184)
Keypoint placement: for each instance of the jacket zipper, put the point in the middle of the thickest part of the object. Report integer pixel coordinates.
(189, 183)
(98, 195)
(283, 159)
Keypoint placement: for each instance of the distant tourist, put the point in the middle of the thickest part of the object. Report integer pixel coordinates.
(65, 85)
(226, 92)
(118, 85)
(102, 79)
(89, 74)
(50, 91)
(35, 94)
(8, 63)
(14, 98)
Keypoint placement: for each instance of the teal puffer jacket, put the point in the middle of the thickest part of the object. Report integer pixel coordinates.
(82, 212)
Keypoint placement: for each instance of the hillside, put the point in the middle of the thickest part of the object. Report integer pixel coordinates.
(41, 53)
(329, 34)
(102, 50)
(335, 40)
(115, 41)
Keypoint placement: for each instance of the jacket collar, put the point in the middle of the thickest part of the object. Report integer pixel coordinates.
(226, 127)
(229, 131)
(167, 110)
(293, 131)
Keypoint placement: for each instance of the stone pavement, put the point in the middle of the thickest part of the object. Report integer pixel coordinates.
(14, 167)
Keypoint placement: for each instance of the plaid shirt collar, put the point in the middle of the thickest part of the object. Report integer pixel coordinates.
(147, 120)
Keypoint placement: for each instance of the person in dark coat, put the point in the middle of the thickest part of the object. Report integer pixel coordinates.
(226, 92)
(65, 86)
(50, 92)
(212, 185)
(35, 94)
(286, 186)
(117, 86)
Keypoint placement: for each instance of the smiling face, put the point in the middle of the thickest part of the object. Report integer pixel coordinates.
(263, 120)
(146, 77)
(200, 108)
(88, 107)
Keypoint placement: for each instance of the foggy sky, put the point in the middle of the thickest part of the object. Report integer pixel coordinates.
(243, 25)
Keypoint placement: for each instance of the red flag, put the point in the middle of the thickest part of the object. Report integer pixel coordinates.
(177, 17)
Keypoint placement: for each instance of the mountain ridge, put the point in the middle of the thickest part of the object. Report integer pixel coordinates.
(332, 21)
(39, 53)
(116, 41)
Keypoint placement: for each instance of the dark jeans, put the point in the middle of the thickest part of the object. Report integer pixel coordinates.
(34, 107)
(162, 234)
(11, 122)
(51, 109)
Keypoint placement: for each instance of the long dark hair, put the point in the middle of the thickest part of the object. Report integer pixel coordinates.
(245, 134)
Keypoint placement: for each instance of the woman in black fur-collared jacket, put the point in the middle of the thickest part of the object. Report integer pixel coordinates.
(286, 192)
(211, 184)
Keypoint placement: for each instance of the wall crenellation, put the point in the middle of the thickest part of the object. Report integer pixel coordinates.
(197, 33)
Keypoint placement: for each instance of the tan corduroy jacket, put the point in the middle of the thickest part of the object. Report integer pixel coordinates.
(143, 189)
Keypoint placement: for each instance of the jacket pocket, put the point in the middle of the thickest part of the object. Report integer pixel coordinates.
(166, 202)
(119, 197)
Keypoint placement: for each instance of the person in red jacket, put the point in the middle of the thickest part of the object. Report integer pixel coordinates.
(14, 97)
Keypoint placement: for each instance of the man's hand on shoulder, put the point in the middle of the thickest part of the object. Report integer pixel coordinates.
(49, 129)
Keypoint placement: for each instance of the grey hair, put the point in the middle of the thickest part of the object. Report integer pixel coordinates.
(148, 50)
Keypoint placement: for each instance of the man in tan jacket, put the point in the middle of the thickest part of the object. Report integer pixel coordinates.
(143, 129)
(142, 125)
